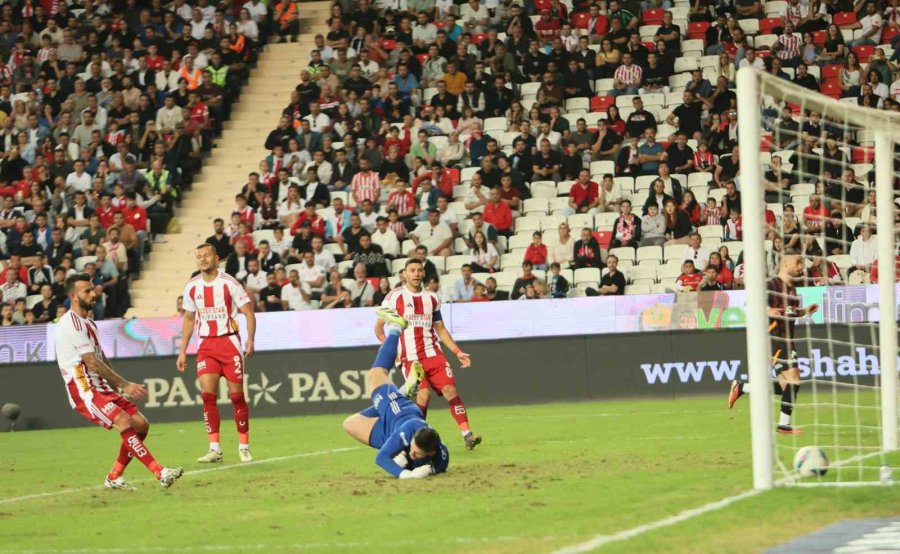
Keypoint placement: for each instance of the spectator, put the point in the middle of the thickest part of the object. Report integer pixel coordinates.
(434, 235)
(586, 251)
(270, 295)
(370, 257)
(483, 253)
(492, 293)
(527, 279)
(612, 283)
(584, 196)
(219, 239)
(689, 279)
(335, 295)
(627, 77)
(498, 214)
(236, 262)
(863, 253)
(709, 281)
(626, 228)
(296, 295)
(12, 289)
(536, 253)
(464, 287)
(653, 227)
(361, 290)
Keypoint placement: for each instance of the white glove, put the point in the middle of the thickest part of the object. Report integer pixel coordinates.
(401, 459)
(423, 471)
(406, 474)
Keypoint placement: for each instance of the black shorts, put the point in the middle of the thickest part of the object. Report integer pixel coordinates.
(784, 356)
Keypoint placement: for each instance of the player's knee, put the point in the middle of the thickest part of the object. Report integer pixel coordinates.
(140, 425)
(123, 421)
(449, 391)
(349, 424)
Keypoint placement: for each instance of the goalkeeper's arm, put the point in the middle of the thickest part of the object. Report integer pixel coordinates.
(390, 454)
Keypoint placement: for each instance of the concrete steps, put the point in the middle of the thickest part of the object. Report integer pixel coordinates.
(238, 152)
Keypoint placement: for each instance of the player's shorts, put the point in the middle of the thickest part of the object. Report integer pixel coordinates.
(784, 357)
(392, 410)
(438, 373)
(221, 356)
(101, 408)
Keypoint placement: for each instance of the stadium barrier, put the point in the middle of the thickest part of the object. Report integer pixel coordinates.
(305, 330)
(521, 371)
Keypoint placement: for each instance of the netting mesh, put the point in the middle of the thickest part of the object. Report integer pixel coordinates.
(818, 178)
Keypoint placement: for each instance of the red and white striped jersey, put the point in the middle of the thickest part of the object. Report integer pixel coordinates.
(419, 340)
(366, 185)
(216, 304)
(790, 46)
(631, 76)
(76, 336)
(401, 201)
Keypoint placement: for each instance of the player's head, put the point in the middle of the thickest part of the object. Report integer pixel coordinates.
(81, 291)
(207, 259)
(793, 265)
(415, 272)
(424, 444)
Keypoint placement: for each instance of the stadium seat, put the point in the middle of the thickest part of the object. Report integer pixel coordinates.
(605, 221)
(674, 252)
(551, 222)
(698, 180)
(467, 172)
(887, 35)
(625, 183)
(749, 26)
(558, 204)
(649, 253)
(624, 253)
(603, 238)
(422, 58)
(764, 41)
(81, 261)
(865, 154)
(456, 262)
(264, 234)
(530, 88)
(511, 261)
(563, 188)
(587, 275)
(643, 272)
(640, 288)
(459, 245)
(697, 30)
(864, 52)
(803, 188)
(711, 232)
(495, 124)
(624, 100)
(601, 103)
(831, 89)
(654, 99)
(653, 16)
(602, 167)
(668, 271)
(504, 278)
(536, 205)
(843, 19)
(578, 104)
(543, 189)
(345, 266)
(776, 8)
(32, 300)
(768, 25)
(644, 182)
(292, 267)
(735, 247)
(519, 240)
(440, 263)
(527, 224)
(580, 221)
(718, 194)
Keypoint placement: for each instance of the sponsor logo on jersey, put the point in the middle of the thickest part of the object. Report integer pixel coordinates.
(418, 320)
(201, 364)
(217, 313)
(108, 408)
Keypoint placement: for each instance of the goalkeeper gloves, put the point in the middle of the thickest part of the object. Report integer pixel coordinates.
(401, 459)
(418, 473)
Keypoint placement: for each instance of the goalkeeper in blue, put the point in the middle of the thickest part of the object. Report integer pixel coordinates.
(407, 446)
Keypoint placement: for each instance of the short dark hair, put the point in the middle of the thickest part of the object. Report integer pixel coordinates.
(71, 281)
(203, 245)
(427, 439)
(412, 261)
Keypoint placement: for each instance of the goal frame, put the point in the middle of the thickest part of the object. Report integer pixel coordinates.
(886, 127)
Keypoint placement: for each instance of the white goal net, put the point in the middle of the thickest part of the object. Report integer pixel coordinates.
(818, 196)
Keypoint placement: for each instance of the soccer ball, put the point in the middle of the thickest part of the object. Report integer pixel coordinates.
(811, 461)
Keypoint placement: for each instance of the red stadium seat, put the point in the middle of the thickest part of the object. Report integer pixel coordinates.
(730, 49)
(601, 103)
(697, 30)
(819, 38)
(422, 58)
(862, 154)
(795, 108)
(766, 25)
(863, 52)
(477, 39)
(454, 175)
(603, 238)
(842, 19)
(831, 71)
(765, 143)
(764, 53)
(388, 43)
(651, 46)
(439, 24)
(653, 17)
(888, 33)
(542, 5)
(832, 89)
(581, 20)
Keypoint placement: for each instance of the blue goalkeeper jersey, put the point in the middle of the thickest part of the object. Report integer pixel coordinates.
(398, 421)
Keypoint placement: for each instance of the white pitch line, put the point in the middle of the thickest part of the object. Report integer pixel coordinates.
(187, 473)
(602, 540)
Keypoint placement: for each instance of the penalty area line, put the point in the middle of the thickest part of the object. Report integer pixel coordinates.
(187, 473)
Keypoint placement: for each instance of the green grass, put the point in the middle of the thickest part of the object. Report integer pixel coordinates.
(546, 476)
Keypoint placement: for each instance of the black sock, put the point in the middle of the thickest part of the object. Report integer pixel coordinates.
(777, 388)
(788, 397)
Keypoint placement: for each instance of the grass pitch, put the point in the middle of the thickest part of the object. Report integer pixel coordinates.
(546, 477)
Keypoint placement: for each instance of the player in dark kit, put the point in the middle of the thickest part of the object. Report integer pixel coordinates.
(408, 448)
(784, 310)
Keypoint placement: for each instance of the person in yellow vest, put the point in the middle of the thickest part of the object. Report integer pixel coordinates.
(190, 74)
(286, 17)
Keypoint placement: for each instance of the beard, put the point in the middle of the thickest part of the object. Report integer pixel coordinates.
(86, 305)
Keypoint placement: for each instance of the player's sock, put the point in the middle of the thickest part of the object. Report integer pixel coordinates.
(388, 351)
(123, 460)
(211, 419)
(424, 408)
(776, 386)
(137, 448)
(745, 388)
(241, 418)
(458, 411)
(788, 397)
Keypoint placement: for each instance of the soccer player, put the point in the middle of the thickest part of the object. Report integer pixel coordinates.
(407, 447)
(419, 345)
(784, 310)
(92, 385)
(215, 298)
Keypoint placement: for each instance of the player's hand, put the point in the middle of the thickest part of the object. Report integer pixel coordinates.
(422, 471)
(813, 308)
(181, 362)
(775, 312)
(401, 459)
(248, 348)
(464, 359)
(135, 391)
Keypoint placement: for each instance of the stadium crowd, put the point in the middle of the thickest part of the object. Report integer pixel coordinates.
(556, 149)
(107, 109)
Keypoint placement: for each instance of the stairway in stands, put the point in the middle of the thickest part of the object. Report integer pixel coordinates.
(239, 152)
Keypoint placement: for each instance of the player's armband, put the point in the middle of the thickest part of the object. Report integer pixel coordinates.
(438, 316)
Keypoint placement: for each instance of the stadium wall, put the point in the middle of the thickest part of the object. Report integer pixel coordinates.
(668, 364)
(310, 330)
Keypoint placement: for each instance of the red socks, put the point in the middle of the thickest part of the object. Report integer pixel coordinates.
(458, 411)
(132, 441)
(211, 416)
(122, 461)
(241, 417)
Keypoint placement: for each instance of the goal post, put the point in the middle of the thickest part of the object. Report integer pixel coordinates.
(851, 414)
